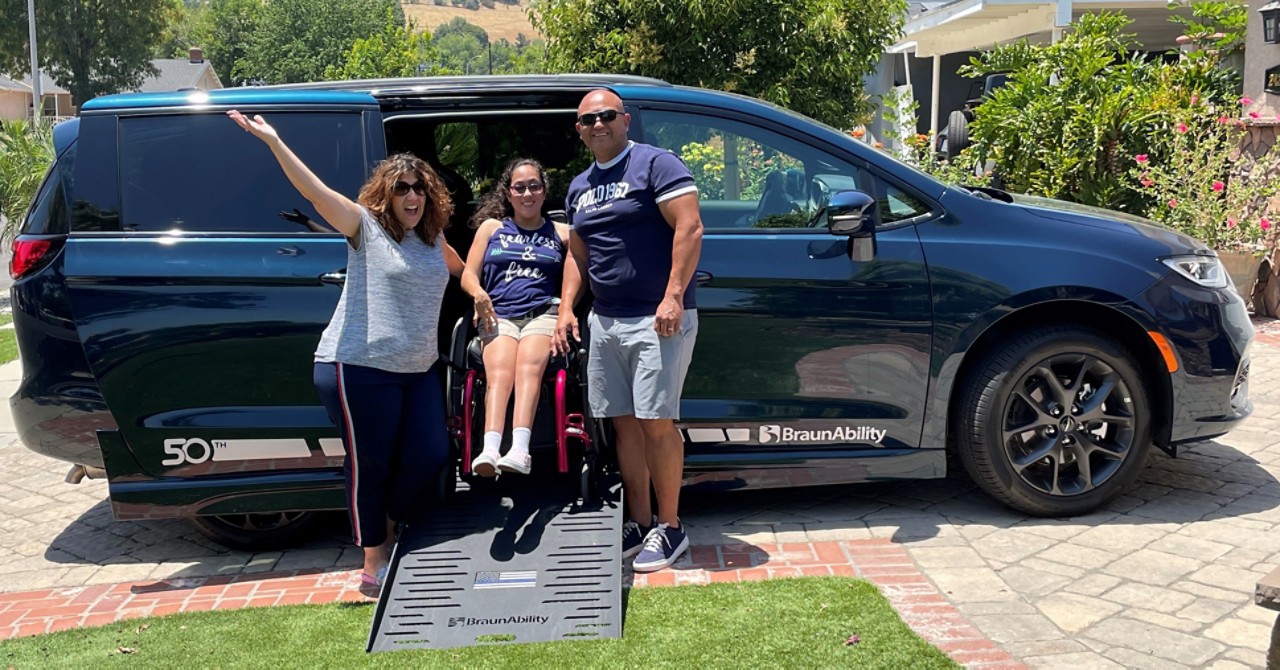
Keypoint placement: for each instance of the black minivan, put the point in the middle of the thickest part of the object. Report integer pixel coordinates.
(167, 308)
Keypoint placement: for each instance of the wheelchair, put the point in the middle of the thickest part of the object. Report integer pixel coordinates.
(561, 427)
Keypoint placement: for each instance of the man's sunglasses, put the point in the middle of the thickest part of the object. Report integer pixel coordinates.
(532, 187)
(402, 188)
(589, 119)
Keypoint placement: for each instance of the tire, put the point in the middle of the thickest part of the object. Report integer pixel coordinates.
(957, 134)
(1004, 391)
(258, 532)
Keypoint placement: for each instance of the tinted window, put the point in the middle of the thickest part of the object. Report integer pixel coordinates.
(202, 173)
(48, 213)
(752, 178)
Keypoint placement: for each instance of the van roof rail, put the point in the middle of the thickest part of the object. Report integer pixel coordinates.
(507, 82)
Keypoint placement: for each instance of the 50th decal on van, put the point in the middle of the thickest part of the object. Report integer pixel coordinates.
(194, 450)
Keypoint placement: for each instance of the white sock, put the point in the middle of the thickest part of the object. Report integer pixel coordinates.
(520, 441)
(492, 441)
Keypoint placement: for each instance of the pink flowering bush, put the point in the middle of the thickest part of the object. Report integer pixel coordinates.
(1204, 186)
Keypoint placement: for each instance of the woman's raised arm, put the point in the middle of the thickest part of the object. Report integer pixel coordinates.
(335, 208)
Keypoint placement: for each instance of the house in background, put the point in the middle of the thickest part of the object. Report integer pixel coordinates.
(176, 74)
(173, 74)
(16, 95)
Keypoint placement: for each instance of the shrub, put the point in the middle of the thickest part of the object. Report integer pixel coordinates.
(26, 152)
(1071, 115)
(1203, 185)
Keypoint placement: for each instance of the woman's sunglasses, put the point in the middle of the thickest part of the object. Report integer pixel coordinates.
(606, 115)
(402, 188)
(532, 187)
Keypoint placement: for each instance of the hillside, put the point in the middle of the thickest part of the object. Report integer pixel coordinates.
(503, 21)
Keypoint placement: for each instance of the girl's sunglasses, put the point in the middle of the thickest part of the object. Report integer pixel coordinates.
(402, 188)
(532, 187)
(606, 115)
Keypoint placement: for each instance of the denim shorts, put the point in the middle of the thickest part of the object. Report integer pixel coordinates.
(631, 370)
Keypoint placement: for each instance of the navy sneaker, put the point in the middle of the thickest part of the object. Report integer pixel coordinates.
(633, 535)
(662, 546)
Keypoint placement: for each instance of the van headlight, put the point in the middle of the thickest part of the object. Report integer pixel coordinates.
(1206, 271)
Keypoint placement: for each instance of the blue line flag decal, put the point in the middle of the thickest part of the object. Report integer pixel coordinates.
(506, 580)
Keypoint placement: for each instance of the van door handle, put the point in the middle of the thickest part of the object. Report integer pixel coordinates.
(702, 277)
(338, 277)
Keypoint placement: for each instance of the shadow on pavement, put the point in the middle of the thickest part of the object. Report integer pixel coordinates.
(1208, 481)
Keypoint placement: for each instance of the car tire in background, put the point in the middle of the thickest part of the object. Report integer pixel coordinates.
(259, 532)
(957, 134)
(1056, 422)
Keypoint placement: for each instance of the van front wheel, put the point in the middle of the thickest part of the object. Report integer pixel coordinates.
(258, 532)
(1056, 422)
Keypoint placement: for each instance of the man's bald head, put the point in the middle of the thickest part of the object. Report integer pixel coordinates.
(602, 124)
(600, 99)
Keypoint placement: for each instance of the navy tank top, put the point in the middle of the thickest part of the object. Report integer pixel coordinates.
(523, 268)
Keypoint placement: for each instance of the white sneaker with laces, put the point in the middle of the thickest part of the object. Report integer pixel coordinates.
(485, 464)
(520, 463)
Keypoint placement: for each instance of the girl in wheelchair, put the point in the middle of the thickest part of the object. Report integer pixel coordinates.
(513, 274)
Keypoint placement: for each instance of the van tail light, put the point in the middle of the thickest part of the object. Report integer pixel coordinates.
(30, 253)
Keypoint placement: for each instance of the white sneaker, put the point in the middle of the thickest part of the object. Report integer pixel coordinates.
(520, 463)
(486, 464)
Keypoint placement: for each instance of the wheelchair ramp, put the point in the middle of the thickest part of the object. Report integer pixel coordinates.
(508, 564)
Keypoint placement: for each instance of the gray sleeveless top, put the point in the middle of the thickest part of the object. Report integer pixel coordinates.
(390, 306)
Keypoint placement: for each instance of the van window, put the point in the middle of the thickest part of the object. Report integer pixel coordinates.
(49, 211)
(202, 173)
(750, 178)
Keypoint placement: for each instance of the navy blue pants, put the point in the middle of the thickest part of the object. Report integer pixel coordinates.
(393, 428)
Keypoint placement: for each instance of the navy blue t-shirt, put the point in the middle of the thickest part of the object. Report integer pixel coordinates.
(522, 268)
(613, 207)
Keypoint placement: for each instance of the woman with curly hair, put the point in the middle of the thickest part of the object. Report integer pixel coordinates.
(375, 366)
(513, 273)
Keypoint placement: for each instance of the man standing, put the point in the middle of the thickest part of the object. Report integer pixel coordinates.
(636, 234)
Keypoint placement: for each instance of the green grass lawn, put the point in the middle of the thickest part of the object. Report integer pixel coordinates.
(789, 623)
(8, 341)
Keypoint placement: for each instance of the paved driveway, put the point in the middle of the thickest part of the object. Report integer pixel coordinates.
(1162, 578)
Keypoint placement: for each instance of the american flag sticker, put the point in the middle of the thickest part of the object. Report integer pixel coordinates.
(506, 580)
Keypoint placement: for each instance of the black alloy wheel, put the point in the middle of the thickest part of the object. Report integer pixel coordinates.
(1055, 422)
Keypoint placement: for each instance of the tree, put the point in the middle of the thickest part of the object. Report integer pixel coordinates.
(89, 47)
(186, 24)
(230, 24)
(460, 26)
(395, 52)
(297, 40)
(807, 55)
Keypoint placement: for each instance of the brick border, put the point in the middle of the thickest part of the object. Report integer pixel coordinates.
(880, 561)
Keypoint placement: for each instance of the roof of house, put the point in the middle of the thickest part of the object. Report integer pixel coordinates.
(176, 74)
(47, 87)
(971, 25)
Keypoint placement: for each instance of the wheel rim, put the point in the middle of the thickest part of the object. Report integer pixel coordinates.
(1068, 424)
(259, 523)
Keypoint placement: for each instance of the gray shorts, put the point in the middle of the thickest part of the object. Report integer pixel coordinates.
(631, 370)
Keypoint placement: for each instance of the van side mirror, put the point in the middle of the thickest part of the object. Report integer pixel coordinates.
(850, 214)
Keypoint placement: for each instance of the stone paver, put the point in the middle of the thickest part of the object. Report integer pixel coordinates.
(1162, 578)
